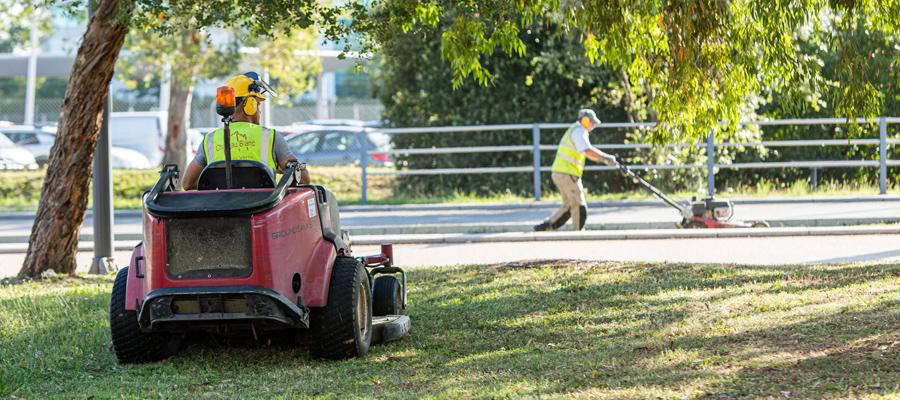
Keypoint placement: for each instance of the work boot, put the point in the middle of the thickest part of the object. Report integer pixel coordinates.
(543, 226)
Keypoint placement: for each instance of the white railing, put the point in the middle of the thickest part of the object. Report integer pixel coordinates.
(536, 147)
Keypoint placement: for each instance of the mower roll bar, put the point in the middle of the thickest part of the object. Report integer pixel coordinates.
(168, 182)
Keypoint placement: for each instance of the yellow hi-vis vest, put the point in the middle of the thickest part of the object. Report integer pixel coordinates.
(568, 159)
(249, 142)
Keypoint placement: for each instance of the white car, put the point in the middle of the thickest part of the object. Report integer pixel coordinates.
(13, 156)
(39, 141)
(143, 132)
(122, 158)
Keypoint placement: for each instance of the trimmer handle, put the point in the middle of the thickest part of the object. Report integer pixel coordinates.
(622, 168)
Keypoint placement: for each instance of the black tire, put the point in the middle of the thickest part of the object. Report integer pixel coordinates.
(694, 225)
(760, 224)
(338, 331)
(387, 298)
(129, 343)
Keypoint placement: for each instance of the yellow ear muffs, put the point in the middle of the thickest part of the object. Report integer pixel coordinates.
(250, 106)
(585, 121)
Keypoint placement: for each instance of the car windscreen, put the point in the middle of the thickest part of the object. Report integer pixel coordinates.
(303, 143)
(141, 134)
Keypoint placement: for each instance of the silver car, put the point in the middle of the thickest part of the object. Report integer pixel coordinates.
(337, 145)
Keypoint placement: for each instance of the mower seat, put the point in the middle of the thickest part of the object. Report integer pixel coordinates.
(244, 174)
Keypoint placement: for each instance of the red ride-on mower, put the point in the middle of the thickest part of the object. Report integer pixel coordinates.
(705, 213)
(244, 255)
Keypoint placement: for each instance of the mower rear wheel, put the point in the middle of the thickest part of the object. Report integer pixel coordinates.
(387, 298)
(343, 328)
(130, 344)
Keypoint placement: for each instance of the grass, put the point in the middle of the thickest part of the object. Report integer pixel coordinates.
(20, 190)
(543, 329)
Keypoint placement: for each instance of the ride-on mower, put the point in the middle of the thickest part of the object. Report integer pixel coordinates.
(244, 255)
(702, 213)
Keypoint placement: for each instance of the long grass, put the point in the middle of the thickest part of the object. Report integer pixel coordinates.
(543, 329)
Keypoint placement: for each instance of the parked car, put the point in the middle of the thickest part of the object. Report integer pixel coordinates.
(143, 132)
(339, 145)
(13, 156)
(39, 140)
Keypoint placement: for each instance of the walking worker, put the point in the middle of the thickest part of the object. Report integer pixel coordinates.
(249, 140)
(568, 167)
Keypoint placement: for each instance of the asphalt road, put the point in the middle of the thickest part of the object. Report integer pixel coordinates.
(760, 251)
(378, 221)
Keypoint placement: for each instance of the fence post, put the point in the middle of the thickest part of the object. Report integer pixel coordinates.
(882, 159)
(814, 179)
(363, 163)
(710, 164)
(536, 158)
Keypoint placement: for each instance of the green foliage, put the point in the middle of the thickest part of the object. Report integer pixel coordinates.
(703, 59)
(550, 84)
(518, 330)
(812, 82)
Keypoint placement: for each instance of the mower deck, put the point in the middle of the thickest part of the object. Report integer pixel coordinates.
(389, 328)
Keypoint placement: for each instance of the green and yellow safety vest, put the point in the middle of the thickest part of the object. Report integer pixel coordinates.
(249, 142)
(568, 159)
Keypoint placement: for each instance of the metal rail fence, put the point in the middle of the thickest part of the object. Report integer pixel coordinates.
(536, 147)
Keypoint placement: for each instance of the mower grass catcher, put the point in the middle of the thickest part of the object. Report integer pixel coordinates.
(245, 256)
(703, 213)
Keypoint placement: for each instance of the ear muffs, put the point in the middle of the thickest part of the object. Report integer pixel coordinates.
(251, 106)
(585, 121)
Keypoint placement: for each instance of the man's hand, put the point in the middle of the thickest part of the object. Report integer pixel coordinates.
(610, 160)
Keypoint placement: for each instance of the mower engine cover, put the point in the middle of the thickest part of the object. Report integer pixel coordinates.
(710, 208)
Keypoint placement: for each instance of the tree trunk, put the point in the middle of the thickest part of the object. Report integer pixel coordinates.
(180, 94)
(64, 195)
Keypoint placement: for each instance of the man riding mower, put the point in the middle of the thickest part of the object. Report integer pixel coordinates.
(244, 255)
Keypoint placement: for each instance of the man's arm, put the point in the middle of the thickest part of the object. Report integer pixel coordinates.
(192, 173)
(283, 154)
(595, 154)
(191, 176)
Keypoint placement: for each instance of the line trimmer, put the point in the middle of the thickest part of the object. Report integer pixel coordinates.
(699, 213)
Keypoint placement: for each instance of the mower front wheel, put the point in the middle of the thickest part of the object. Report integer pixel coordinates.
(343, 328)
(130, 344)
(387, 297)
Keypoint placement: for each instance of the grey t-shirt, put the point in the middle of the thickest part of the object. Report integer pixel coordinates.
(581, 139)
(280, 150)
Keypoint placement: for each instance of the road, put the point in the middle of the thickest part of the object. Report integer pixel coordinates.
(487, 219)
(764, 251)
